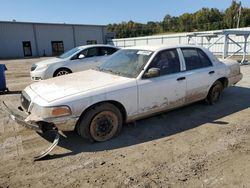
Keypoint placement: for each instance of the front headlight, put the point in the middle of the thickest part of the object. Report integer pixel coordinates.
(60, 111)
(51, 112)
(33, 67)
(41, 67)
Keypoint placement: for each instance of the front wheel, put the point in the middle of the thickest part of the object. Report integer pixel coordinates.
(61, 72)
(214, 93)
(100, 123)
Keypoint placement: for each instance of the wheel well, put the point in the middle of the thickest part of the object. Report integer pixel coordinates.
(224, 81)
(62, 68)
(115, 103)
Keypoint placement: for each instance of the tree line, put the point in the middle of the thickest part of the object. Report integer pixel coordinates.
(202, 20)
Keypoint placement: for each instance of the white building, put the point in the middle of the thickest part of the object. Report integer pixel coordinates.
(24, 39)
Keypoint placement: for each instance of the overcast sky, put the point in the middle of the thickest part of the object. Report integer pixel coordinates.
(102, 11)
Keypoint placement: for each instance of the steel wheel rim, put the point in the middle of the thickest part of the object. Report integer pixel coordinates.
(63, 72)
(104, 126)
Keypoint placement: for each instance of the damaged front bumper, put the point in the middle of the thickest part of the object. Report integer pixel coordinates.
(20, 119)
(39, 127)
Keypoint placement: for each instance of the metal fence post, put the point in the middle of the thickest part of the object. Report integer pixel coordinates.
(202, 41)
(244, 49)
(225, 50)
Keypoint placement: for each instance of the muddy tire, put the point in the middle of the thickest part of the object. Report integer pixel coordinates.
(214, 93)
(61, 72)
(100, 123)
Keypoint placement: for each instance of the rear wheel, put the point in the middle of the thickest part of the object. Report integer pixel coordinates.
(61, 72)
(100, 123)
(215, 93)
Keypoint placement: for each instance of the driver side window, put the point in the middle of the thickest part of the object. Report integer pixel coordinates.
(83, 52)
(167, 61)
(90, 52)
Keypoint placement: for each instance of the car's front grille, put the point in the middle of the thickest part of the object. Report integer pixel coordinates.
(25, 101)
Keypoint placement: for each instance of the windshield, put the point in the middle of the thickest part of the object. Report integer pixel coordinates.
(69, 53)
(127, 62)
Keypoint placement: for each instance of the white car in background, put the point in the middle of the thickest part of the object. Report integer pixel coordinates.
(77, 59)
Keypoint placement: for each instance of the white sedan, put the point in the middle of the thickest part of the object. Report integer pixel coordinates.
(134, 83)
(77, 59)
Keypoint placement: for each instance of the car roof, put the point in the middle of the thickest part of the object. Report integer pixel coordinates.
(160, 47)
(97, 45)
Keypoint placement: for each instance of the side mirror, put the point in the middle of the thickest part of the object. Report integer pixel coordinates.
(81, 56)
(152, 72)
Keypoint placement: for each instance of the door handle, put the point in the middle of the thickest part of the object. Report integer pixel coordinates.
(181, 78)
(211, 72)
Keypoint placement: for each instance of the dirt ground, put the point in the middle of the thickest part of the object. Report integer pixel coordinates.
(194, 146)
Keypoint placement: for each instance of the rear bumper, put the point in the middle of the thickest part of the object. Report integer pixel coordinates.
(234, 79)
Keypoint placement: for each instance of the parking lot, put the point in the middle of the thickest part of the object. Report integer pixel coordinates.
(194, 146)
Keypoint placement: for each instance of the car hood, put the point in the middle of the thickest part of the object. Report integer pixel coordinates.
(49, 61)
(76, 83)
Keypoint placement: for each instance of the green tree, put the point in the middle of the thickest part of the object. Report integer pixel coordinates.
(245, 17)
(186, 22)
(231, 14)
(204, 19)
(208, 19)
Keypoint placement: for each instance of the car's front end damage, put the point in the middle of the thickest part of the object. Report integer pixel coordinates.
(38, 110)
(41, 127)
(41, 118)
(56, 104)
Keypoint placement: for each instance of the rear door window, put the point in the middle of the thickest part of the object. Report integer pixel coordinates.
(107, 51)
(91, 52)
(195, 58)
(111, 50)
(204, 58)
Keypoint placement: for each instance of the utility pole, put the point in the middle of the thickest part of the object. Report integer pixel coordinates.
(239, 15)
